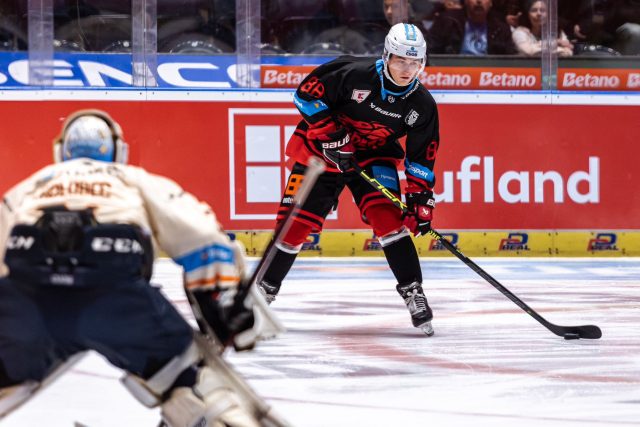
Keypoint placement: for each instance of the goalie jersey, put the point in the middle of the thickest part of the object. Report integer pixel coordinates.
(183, 227)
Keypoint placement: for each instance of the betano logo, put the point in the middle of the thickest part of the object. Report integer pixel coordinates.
(285, 78)
(590, 81)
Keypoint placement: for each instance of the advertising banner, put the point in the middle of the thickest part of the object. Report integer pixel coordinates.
(100, 70)
(493, 243)
(605, 79)
(499, 167)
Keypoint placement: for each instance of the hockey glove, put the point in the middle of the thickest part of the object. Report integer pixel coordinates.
(225, 318)
(419, 212)
(334, 143)
(342, 158)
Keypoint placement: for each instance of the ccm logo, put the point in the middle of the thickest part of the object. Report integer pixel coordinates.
(20, 242)
(120, 245)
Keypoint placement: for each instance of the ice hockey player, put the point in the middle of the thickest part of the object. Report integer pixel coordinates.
(355, 110)
(78, 239)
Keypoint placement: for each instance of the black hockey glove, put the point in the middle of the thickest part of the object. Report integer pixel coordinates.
(342, 158)
(334, 143)
(225, 318)
(419, 213)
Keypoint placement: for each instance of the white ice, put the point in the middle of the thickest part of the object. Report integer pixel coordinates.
(350, 356)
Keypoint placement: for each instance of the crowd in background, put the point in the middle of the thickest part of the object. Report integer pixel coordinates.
(333, 27)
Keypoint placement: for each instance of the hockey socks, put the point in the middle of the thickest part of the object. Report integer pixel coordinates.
(402, 257)
(279, 268)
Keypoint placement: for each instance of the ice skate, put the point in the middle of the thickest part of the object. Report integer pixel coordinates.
(418, 306)
(268, 290)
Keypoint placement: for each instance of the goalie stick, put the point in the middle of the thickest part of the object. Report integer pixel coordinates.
(246, 287)
(568, 332)
(313, 171)
(11, 398)
(206, 339)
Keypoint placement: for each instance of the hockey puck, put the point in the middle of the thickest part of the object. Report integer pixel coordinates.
(569, 336)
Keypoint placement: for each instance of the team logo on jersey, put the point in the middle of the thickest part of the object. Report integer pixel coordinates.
(360, 95)
(411, 118)
(391, 99)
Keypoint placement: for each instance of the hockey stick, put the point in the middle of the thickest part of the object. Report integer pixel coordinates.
(271, 326)
(206, 339)
(313, 171)
(568, 332)
(261, 409)
(12, 398)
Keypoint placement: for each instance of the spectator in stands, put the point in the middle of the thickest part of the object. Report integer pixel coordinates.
(395, 11)
(423, 12)
(472, 30)
(361, 32)
(12, 27)
(611, 23)
(528, 36)
(511, 10)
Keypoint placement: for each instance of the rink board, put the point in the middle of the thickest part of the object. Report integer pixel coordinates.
(508, 161)
(472, 243)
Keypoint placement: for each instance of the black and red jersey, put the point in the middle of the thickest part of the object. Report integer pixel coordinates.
(353, 92)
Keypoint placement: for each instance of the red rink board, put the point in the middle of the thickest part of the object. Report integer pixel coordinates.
(487, 166)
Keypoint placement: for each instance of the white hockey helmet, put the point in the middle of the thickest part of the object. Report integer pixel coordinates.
(92, 134)
(404, 40)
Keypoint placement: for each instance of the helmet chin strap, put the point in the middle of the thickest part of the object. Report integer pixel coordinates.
(382, 72)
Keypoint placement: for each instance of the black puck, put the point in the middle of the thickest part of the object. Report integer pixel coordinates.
(570, 336)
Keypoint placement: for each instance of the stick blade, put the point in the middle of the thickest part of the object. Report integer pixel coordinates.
(590, 332)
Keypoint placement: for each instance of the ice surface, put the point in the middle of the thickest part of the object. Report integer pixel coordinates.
(351, 358)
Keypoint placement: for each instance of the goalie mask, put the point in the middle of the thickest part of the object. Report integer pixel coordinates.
(92, 134)
(404, 40)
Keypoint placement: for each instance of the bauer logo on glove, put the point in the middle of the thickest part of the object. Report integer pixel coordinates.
(336, 144)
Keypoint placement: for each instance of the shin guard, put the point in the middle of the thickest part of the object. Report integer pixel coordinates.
(402, 257)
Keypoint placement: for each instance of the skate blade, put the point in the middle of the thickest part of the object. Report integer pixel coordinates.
(427, 329)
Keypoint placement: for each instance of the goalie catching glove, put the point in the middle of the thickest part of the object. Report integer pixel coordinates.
(333, 141)
(419, 212)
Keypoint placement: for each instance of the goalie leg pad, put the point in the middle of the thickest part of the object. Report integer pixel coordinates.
(211, 402)
(150, 392)
(14, 396)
